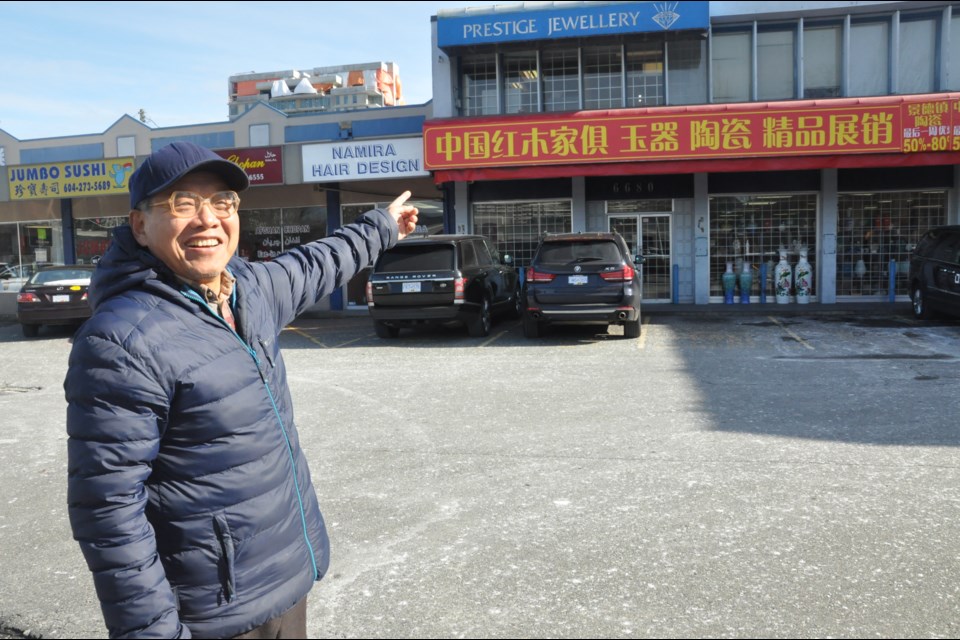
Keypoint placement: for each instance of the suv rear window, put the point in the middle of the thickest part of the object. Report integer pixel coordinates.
(417, 258)
(566, 252)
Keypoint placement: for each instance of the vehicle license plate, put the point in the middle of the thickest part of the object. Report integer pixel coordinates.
(61, 298)
(411, 287)
(577, 279)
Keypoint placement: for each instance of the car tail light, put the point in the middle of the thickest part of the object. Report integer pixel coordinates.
(537, 276)
(27, 297)
(621, 275)
(369, 293)
(459, 287)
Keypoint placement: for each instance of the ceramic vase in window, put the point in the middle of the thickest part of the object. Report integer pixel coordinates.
(782, 276)
(729, 280)
(746, 282)
(803, 278)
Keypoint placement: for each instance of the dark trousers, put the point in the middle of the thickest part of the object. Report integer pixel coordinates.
(292, 624)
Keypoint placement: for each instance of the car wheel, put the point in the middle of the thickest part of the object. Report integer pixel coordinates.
(480, 325)
(631, 329)
(30, 330)
(920, 310)
(531, 328)
(384, 330)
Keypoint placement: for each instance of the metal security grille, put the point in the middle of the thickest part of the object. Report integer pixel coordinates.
(645, 225)
(516, 227)
(874, 229)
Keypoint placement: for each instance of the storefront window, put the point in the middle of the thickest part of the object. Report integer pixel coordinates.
(645, 75)
(918, 56)
(93, 235)
(953, 53)
(266, 233)
(753, 229)
(602, 78)
(821, 61)
(775, 64)
(687, 71)
(869, 58)
(515, 227)
(876, 233)
(26, 245)
(520, 82)
(731, 66)
(479, 85)
(561, 84)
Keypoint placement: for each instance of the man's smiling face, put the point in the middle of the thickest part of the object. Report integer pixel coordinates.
(195, 248)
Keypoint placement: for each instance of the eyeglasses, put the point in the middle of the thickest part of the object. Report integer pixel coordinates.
(186, 204)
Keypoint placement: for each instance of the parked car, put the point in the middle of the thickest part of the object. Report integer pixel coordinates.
(54, 295)
(13, 276)
(935, 272)
(442, 279)
(582, 278)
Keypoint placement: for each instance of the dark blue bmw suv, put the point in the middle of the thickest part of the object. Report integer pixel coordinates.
(582, 278)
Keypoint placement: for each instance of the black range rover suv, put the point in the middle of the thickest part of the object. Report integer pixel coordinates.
(442, 279)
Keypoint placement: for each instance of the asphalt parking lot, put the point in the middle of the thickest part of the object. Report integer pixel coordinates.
(733, 473)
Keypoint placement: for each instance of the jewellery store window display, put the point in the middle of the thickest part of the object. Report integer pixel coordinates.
(749, 231)
(876, 233)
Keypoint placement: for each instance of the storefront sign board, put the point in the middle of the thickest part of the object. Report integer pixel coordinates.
(76, 179)
(882, 125)
(366, 160)
(264, 165)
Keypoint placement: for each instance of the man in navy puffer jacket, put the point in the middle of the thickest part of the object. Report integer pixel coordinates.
(188, 491)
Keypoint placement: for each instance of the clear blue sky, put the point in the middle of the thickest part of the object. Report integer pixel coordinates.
(71, 68)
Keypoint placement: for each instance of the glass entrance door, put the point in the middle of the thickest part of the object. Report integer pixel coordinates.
(649, 235)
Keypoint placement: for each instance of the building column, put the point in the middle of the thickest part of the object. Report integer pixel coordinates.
(701, 240)
(579, 204)
(829, 219)
(66, 230)
(461, 213)
(333, 223)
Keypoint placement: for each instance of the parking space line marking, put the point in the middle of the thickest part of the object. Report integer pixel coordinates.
(791, 333)
(645, 327)
(343, 344)
(496, 337)
(306, 335)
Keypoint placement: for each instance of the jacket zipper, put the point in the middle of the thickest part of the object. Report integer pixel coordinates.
(192, 295)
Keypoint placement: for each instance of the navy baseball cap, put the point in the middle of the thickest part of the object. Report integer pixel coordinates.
(170, 163)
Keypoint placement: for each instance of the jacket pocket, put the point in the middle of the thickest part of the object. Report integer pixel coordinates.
(226, 566)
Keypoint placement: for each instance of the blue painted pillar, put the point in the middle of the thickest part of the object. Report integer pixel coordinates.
(334, 223)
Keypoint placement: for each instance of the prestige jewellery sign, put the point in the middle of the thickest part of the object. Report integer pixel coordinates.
(584, 20)
(367, 160)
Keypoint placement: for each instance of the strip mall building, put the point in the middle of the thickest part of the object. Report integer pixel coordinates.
(709, 134)
(712, 135)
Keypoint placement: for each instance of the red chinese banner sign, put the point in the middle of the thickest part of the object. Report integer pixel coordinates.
(911, 124)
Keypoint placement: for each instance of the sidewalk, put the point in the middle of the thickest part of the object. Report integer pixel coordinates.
(793, 309)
